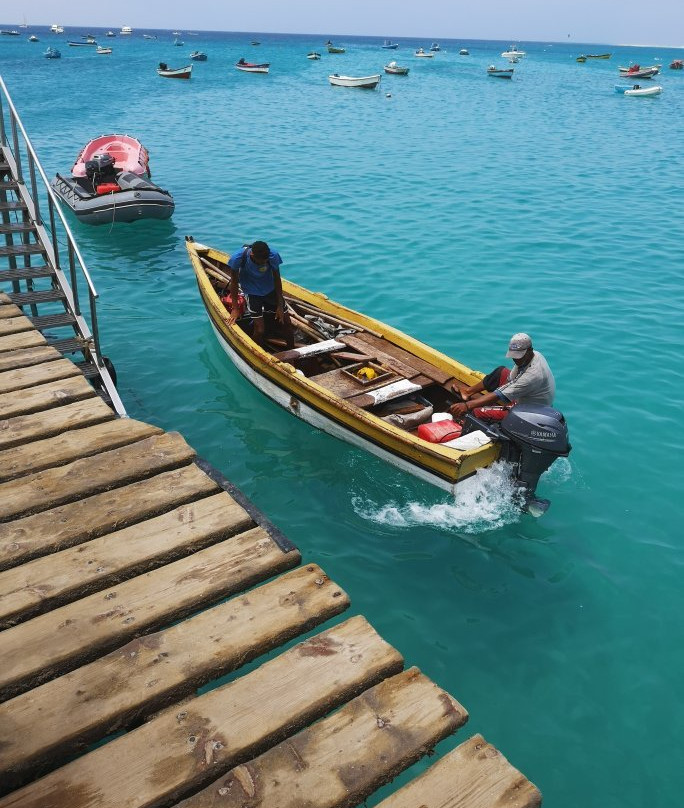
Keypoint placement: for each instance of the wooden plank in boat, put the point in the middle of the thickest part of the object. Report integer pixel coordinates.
(72, 635)
(183, 750)
(60, 578)
(27, 339)
(380, 395)
(90, 517)
(130, 683)
(25, 428)
(5, 299)
(44, 396)
(71, 445)
(81, 478)
(20, 378)
(15, 325)
(348, 356)
(364, 341)
(26, 357)
(315, 349)
(344, 758)
(474, 775)
(9, 310)
(342, 385)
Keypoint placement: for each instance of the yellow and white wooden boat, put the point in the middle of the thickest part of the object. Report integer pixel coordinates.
(365, 382)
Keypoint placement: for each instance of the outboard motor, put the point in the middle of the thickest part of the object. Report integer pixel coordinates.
(531, 437)
(100, 168)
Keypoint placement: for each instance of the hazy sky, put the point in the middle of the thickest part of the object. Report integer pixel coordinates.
(606, 21)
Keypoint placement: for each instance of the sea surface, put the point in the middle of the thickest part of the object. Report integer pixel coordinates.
(460, 209)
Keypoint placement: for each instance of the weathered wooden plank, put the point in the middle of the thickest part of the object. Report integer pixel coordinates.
(15, 325)
(387, 352)
(71, 445)
(342, 385)
(44, 396)
(5, 299)
(60, 578)
(67, 525)
(25, 357)
(25, 428)
(21, 378)
(27, 339)
(81, 478)
(130, 683)
(9, 310)
(340, 761)
(390, 391)
(367, 343)
(72, 635)
(474, 775)
(181, 751)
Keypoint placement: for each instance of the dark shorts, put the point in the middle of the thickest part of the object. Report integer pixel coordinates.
(258, 305)
(499, 376)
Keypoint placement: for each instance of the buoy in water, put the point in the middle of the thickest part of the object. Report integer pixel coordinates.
(388, 95)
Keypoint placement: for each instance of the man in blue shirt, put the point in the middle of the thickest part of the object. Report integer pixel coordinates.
(255, 269)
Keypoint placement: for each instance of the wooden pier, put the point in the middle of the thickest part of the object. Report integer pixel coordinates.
(161, 643)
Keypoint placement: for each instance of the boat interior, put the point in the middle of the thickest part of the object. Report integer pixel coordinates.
(356, 363)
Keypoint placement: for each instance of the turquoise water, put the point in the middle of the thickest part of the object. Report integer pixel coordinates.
(461, 209)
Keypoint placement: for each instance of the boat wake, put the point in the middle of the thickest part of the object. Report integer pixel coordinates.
(485, 502)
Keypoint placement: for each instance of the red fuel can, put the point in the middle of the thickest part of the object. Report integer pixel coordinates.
(440, 431)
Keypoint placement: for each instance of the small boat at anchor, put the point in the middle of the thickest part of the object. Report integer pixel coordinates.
(88, 44)
(174, 72)
(499, 73)
(198, 56)
(110, 182)
(313, 55)
(397, 70)
(252, 67)
(389, 45)
(52, 53)
(638, 72)
(464, 52)
(363, 82)
(423, 54)
(677, 64)
(514, 51)
(33, 38)
(643, 92)
(435, 47)
(599, 55)
(102, 50)
(377, 388)
(334, 48)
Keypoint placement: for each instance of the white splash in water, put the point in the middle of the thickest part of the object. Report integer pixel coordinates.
(487, 501)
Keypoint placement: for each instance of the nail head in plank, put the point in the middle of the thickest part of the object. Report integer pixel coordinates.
(130, 683)
(26, 428)
(22, 378)
(44, 397)
(71, 445)
(81, 478)
(474, 775)
(347, 756)
(67, 525)
(65, 638)
(181, 751)
(60, 578)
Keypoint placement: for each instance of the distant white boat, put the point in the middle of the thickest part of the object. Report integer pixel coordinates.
(57, 29)
(513, 51)
(365, 82)
(644, 91)
(110, 33)
(424, 54)
(126, 30)
(103, 51)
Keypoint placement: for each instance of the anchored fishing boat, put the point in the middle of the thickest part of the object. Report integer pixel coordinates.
(395, 69)
(174, 72)
(377, 388)
(364, 82)
(198, 56)
(498, 73)
(252, 67)
(110, 182)
(52, 53)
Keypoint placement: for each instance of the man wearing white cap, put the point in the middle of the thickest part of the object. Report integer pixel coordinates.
(530, 381)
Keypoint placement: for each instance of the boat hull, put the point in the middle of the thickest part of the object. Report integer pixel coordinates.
(179, 73)
(362, 82)
(253, 68)
(145, 201)
(439, 465)
(644, 92)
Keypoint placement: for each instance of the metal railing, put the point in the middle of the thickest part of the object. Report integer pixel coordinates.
(22, 159)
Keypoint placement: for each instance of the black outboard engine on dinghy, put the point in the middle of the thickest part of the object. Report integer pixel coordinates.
(531, 437)
(100, 168)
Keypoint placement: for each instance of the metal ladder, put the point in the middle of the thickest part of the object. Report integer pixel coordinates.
(30, 262)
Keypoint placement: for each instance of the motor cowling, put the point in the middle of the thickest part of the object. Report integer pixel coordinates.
(100, 168)
(531, 437)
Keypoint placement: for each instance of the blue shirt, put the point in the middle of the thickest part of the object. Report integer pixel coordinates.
(255, 279)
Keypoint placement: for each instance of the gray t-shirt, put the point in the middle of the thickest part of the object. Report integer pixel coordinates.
(531, 384)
